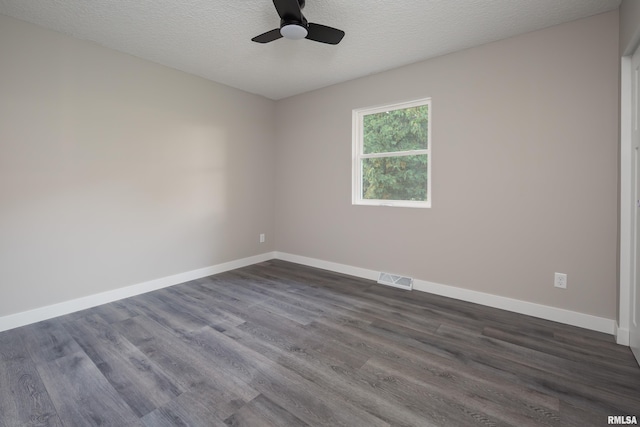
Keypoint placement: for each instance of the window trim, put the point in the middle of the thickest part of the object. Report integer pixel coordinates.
(357, 121)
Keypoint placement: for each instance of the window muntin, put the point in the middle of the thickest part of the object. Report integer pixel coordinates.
(392, 155)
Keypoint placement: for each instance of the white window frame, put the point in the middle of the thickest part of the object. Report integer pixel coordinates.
(358, 154)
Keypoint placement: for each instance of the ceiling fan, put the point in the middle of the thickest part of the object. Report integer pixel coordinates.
(294, 26)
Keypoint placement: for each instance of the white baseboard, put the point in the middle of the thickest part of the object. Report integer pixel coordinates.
(546, 312)
(328, 265)
(622, 335)
(555, 314)
(43, 313)
(518, 306)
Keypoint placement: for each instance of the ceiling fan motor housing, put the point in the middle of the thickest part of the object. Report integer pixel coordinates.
(294, 29)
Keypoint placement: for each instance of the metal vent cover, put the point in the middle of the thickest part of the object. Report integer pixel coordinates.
(396, 281)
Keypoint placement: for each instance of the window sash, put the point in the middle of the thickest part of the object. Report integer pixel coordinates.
(394, 154)
(359, 156)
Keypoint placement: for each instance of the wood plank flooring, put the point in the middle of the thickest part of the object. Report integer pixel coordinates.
(280, 344)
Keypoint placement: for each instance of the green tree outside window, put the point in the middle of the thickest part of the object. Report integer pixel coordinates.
(394, 158)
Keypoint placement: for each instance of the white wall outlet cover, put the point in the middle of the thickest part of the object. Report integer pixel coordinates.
(560, 280)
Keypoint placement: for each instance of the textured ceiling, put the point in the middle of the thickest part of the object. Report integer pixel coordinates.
(211, 38)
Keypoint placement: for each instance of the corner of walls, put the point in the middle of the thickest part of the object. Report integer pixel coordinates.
(629, 17)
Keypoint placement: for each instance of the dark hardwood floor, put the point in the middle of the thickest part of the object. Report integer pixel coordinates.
(279, 344)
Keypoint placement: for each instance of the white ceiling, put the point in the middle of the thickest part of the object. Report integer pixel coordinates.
(212, 38)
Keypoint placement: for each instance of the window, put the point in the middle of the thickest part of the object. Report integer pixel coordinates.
(392, 155)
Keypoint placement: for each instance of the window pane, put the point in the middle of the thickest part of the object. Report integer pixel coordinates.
(395, 178)
(397, 130)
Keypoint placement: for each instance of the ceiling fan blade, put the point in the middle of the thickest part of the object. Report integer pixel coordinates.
(267, 37)
(323, 34)
(289, 10)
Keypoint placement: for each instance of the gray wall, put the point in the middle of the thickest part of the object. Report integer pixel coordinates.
(524, 170)
(115, 171)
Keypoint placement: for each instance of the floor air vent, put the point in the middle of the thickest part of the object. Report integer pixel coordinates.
(396, 281)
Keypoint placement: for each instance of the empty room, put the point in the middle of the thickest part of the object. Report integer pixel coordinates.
(319, 213)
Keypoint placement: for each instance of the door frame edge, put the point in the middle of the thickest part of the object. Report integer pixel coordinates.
(627, 200)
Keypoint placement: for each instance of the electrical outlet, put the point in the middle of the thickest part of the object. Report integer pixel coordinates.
(262, 238)
(560, 280)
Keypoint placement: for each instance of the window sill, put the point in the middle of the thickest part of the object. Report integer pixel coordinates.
(393, 204)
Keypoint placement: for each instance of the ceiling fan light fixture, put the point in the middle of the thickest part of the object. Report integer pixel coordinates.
(294, 26)
(293, 31)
